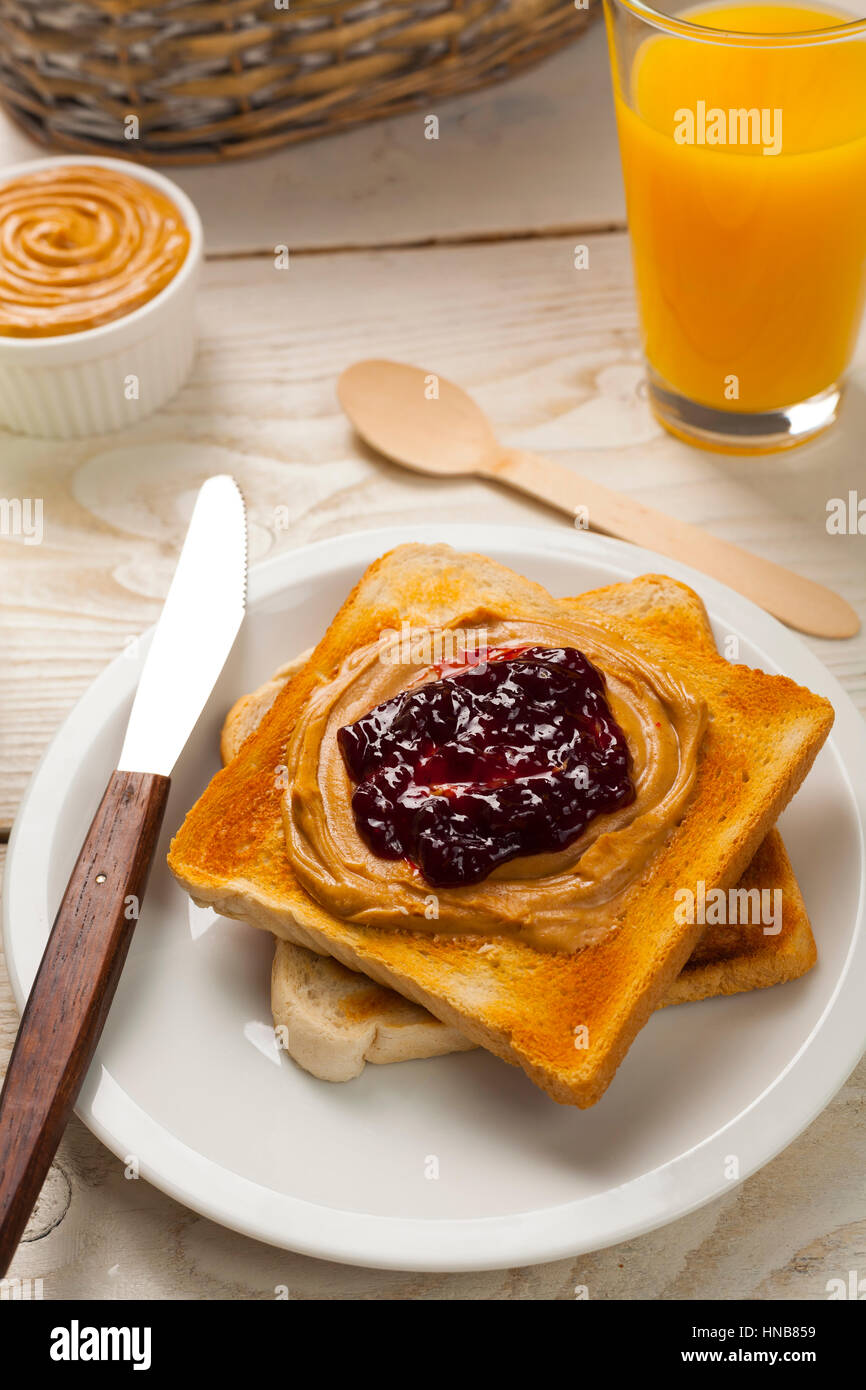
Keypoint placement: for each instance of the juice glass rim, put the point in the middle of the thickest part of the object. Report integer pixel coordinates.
(672, 24)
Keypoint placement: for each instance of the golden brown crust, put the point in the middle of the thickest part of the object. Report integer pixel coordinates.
(518, 1003)
(246, 713)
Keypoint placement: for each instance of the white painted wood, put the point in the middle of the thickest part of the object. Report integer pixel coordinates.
(535, 153)
(551, 354)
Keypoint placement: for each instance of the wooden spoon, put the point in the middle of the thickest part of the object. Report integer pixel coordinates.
(427, 423)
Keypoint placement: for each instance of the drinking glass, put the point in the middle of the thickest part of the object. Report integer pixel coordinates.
(742, 131)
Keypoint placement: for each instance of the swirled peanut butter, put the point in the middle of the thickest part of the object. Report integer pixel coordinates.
(555, 900)
(82, 245)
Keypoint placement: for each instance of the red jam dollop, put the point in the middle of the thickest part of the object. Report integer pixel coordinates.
(511, 756)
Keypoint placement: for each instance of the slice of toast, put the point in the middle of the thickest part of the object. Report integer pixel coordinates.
(332, 1020)
(534, 1009)
(739, 957)
(247, 713)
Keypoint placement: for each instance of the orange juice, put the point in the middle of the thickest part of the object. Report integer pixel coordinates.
(745, 177)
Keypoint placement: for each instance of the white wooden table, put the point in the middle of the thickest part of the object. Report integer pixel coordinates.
(457, 255)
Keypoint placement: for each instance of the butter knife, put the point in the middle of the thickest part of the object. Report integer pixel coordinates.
(75, 984)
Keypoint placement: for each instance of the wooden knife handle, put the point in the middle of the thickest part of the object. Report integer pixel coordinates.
(73, 990)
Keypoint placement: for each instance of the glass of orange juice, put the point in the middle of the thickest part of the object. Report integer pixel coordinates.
(742, 131)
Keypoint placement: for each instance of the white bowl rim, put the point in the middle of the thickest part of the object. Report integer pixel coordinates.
(12, 345)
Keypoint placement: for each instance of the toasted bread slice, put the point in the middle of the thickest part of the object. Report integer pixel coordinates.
(332, 1020)
(526, 1006)
(740, 957)
(246, 713)
(733, 959)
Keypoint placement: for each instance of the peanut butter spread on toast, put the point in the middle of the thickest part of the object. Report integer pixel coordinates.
(562, 900)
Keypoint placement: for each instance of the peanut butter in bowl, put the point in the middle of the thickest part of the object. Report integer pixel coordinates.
(99, 264)
(83, 245)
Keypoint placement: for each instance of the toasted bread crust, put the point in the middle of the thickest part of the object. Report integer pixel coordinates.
(246, 713)
(524, 1006)
(333, 1020)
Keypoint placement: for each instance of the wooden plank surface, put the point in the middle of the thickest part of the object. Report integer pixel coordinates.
(553, 355)
(550, 352)
(535, 153)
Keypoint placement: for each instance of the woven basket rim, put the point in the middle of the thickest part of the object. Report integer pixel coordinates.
(308, 74)
(297, 7)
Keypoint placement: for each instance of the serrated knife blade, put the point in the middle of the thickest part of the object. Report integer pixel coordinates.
(74, 986)
(200, 619)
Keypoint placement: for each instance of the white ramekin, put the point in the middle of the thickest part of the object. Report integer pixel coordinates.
(79, 383)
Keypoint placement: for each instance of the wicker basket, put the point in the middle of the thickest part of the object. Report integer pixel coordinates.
(218, 79)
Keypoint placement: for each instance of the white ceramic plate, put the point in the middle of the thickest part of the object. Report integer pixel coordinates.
(188, 1078)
